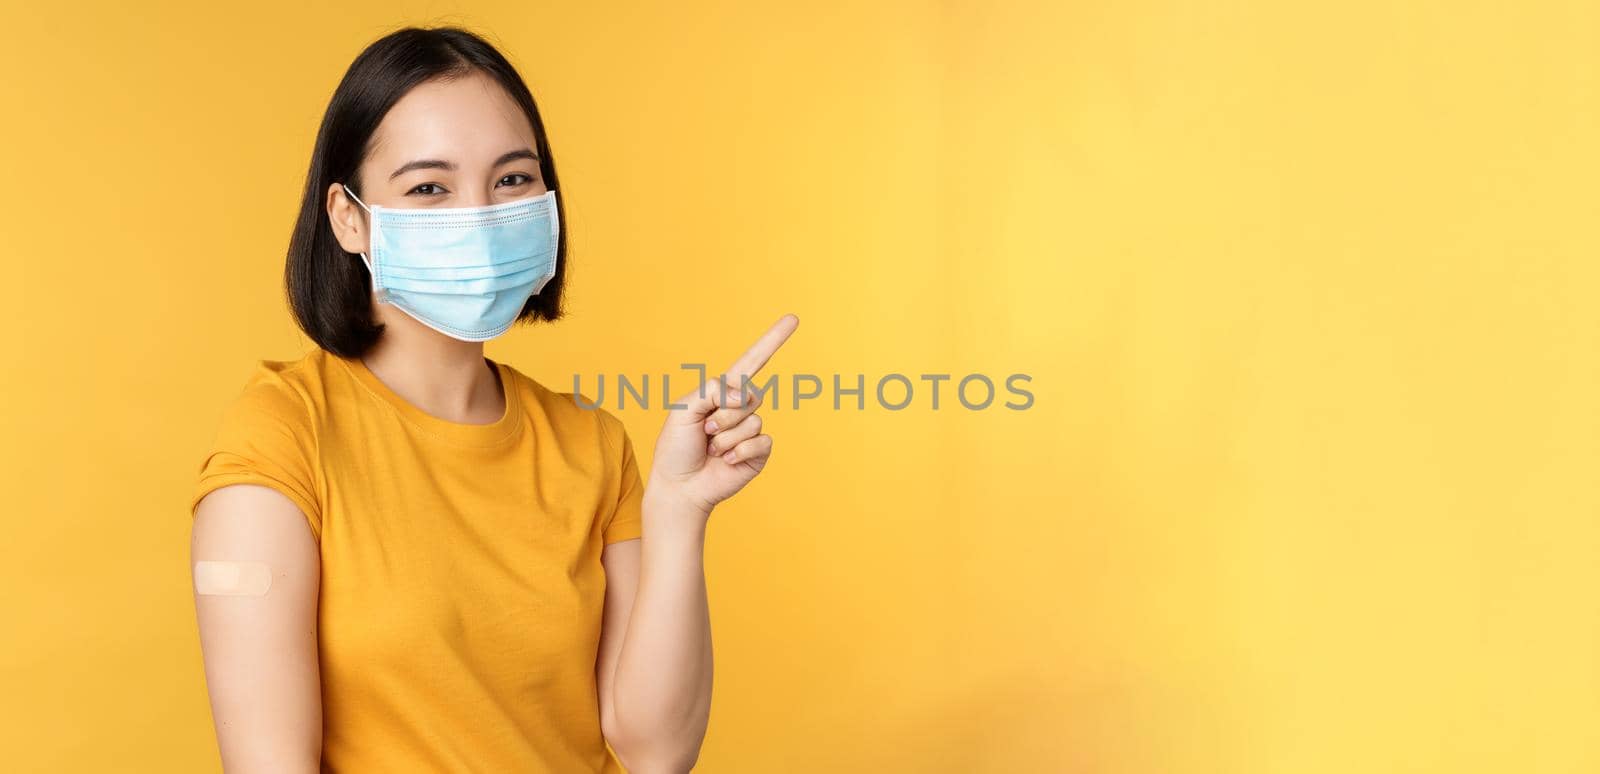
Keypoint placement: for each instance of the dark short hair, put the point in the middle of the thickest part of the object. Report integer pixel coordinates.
(330, 289)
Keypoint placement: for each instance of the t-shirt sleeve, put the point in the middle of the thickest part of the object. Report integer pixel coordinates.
(266, 438)
(627, 519)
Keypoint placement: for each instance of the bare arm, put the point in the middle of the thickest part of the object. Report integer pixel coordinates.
(260, 649)
(655, 666)
(621, 562)
(655, 660)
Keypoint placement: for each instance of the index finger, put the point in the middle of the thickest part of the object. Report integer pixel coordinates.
(760, 352)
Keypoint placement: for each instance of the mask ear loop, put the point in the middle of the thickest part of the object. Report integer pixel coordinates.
(370, 272)
(352, 194)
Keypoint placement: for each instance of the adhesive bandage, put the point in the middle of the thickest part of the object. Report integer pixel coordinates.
(232, 578)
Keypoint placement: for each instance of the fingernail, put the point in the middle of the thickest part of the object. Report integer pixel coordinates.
(730, 456)
(711, 426)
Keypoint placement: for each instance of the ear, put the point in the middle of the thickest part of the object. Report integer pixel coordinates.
(349, 221)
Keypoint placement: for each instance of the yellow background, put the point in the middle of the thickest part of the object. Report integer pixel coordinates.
(1307, 295)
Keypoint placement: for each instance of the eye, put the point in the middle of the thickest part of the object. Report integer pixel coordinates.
(426, 193)
(525, 178)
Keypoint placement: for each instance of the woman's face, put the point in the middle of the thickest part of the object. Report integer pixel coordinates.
(447, 143)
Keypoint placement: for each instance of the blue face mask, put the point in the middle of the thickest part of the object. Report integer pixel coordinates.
(465, 272)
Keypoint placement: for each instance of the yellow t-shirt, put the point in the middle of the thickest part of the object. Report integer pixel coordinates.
(462, 588)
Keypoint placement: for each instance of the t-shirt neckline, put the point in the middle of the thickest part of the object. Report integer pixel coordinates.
(455, 432)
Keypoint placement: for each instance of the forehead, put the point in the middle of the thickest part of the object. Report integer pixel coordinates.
(470, 120)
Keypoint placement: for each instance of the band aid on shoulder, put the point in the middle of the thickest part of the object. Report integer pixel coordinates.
(232, 578)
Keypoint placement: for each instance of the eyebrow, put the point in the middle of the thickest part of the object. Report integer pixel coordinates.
(522, 153)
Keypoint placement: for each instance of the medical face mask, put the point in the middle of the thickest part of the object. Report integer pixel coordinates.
(465, 272)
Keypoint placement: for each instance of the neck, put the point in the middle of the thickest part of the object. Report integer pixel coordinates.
(445, 377)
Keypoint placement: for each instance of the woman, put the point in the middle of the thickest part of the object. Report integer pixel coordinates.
(410, 557)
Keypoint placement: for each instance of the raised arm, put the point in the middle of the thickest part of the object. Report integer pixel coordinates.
(257, 575)
(656, 665)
